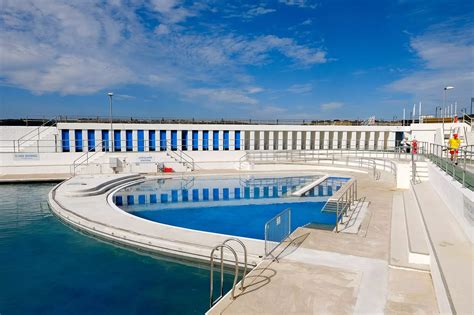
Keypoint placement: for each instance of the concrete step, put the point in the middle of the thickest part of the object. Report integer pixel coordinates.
(452, 259)
(399, 248)
(417, 241)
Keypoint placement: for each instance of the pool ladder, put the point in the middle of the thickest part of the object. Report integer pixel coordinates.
(224, 245)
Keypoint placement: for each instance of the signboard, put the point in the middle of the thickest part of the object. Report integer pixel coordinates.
(145, 159)
(26, 156)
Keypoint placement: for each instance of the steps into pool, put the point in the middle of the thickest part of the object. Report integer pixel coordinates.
(91, 187)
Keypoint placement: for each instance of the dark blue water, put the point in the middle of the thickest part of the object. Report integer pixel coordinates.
(48, 268)
(243, 220)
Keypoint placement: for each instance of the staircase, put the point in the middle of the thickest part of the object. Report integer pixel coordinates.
(421, 171)
(181, 158)
(40, 139)
(408, 242)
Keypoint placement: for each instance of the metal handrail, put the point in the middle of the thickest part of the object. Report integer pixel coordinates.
(76, 164)
(267, 224)
(236, 273)
(38, 131)
(245, 258)
(348, 195)
(182, 156)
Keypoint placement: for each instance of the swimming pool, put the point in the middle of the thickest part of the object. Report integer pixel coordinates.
(237, 206)
(48, 268)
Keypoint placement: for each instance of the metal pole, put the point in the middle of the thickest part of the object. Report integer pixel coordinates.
(110, 94)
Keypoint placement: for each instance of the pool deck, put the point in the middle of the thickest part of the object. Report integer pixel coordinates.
(317, 271)
(321, 272)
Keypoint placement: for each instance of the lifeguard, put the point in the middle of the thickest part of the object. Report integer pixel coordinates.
(453, 144)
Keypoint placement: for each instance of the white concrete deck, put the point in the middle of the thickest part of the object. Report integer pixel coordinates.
(96, 214)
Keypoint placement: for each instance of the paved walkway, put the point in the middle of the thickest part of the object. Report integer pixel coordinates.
(322, 272)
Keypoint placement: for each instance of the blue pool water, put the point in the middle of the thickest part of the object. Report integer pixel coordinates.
(238, 206)
(48, 268)
(242, 220)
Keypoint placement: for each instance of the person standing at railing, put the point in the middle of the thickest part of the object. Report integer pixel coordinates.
(414, 146)
(405, 145)
(453, 145)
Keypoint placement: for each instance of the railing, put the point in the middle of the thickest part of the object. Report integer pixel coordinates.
(35, 133)
(221, 247)
(460, 167)
(197, 120)
(180, 156)
(334, 157)
(277, 230)
(85, 158)
(342, 202)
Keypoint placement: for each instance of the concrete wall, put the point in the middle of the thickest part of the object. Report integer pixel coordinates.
(460, 201)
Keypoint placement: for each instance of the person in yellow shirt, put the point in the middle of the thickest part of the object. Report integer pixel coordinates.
(453, 145)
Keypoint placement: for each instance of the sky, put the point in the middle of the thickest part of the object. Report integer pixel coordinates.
(282, 59)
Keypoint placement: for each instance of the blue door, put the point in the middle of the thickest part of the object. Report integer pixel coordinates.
(141, 141)
(226, 140)
(195, 140)
(174, 140)
(90, 140)
(162, 140)
(237, 140)
(129, 140)
(105, 140)
(78, 140)
(184, 140)
(152, 140)
(215, 140)
(205, 140)
(117, 141)
(65, 140)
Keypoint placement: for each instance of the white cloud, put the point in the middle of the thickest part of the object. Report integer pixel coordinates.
(300, 88)
(331, 106)
(222, 95)
(86, 46)
(258, 10)
(445, 57)
(162, 29)
(301, 3)
(171, 11)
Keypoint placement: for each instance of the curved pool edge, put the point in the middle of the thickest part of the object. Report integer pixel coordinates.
(94, 215)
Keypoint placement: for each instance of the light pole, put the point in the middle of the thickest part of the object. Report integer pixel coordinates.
(446, 89)
(110, 94)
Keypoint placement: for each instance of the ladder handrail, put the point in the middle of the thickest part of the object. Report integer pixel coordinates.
(236, 273)
(245, 258)
(38, 131)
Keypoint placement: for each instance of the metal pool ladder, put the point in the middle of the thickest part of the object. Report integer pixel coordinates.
(221, 247)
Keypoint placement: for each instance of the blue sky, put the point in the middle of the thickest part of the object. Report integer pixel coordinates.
(234, 59)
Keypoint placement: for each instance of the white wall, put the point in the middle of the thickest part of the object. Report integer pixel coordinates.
(460, 201)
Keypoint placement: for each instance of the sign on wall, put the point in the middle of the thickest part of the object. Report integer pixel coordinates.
(26, 156)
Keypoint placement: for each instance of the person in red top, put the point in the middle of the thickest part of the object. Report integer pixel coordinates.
(414, 146)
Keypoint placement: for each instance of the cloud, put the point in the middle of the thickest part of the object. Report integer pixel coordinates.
(331, 106)
(301, 3)
(222, 95)
(83, 47)
(300, 88)
(124, 97)
(162, 29)
(258, 10)
(444, 55)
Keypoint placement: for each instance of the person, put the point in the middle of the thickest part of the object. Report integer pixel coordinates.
(453, 145)
(405, 145)
(414, 146)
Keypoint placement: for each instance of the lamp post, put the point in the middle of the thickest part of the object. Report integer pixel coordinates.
(110, 94)
(446, 89)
